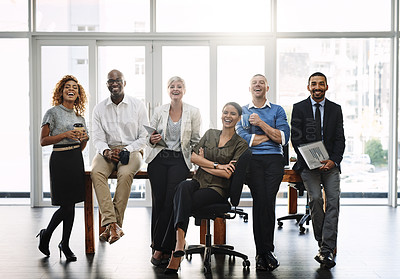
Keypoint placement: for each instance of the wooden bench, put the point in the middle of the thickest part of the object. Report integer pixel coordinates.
(219, 226)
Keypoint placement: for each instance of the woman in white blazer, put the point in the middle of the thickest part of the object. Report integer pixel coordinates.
(169, 150)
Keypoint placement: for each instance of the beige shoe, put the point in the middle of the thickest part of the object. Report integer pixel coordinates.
(115, 233)
(104, 236)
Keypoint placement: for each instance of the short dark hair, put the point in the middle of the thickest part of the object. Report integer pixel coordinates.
(317, 74)
(118, 73)
(236, 106)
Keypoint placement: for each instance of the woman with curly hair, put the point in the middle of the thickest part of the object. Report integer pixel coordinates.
(64, 127)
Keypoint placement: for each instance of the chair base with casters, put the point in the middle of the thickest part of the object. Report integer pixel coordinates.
(226, 210)
(301, 219)
(208, 249)
(241, 213)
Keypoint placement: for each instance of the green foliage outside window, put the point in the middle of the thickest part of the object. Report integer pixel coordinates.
(375, 151)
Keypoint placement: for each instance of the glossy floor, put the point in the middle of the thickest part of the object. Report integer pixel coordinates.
(369, 247)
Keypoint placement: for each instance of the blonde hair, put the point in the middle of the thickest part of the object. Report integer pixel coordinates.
(80, 102)
(176, 79)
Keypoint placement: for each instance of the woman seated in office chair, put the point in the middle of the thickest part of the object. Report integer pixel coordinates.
(216, 155)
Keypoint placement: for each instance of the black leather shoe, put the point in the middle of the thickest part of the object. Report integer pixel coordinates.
(325, 259)
(271, 260)
(260, 263)
(267, 261)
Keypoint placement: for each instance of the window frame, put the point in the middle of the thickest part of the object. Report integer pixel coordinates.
(214, 39)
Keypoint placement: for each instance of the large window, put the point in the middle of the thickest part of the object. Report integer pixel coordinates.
(216, 46)
(213, 16)
(358, 79)
(93, 15)
(14, 114)
(333, 15)
(14, 16)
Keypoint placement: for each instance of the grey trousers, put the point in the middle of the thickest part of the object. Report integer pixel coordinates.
(325, 223)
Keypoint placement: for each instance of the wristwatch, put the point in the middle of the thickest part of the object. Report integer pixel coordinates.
(215, 165)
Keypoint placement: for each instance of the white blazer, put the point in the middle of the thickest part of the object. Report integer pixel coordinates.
(190, 131)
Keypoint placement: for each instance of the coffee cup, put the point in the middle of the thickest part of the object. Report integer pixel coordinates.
(79, 128)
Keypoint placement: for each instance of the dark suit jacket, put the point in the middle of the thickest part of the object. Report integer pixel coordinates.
(303, 130)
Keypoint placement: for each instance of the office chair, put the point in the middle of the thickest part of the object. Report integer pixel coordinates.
(221, 210)
(300, 218)
(241, 213)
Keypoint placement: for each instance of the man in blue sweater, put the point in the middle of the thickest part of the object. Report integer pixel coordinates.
(264, 126)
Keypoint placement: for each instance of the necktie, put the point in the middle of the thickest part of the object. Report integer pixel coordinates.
(318, 135)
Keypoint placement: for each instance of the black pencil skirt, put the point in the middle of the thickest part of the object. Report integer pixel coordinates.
(67, 177)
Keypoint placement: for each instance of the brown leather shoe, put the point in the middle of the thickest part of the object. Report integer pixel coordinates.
(104, 236)
(115, 233)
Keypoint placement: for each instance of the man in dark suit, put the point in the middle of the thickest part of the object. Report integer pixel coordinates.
(313, 119)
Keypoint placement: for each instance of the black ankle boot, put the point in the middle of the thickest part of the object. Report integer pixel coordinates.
(43, 242)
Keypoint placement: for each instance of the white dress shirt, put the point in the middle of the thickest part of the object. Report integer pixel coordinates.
(120, 124)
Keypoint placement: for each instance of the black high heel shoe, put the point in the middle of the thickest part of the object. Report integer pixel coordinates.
(69, 255)
(169, 271)
(43, 242)
(173, 270)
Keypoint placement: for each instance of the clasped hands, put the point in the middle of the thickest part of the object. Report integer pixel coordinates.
(112, 155)
(77, 135)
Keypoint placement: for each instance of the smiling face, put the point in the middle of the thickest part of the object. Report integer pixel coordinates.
(259, 87)
(176, 90)
(317, 87)
(116, 84)
(230, 116)
(70, 91)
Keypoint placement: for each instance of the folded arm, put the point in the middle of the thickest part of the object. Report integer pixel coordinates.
(222, 170)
